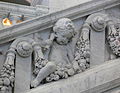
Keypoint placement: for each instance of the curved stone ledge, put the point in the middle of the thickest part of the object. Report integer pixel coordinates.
(36, 24)
(27, 11)
(96, 80)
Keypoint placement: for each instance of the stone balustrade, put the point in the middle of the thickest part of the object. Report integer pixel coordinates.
(102, 23)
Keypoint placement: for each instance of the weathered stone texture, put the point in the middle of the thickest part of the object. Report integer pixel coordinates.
(95, 80)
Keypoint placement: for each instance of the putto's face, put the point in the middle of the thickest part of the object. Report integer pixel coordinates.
(64, 30)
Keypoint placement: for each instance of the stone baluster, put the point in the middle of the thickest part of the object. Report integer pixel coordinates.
(97, 38)
(24, 51)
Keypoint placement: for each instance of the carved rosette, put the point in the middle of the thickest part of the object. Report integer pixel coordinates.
(7, 74)
(113, 38)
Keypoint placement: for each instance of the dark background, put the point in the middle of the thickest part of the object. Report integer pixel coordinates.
(22, 2)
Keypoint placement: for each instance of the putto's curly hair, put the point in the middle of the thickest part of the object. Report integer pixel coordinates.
(63, 25)
(64, 30)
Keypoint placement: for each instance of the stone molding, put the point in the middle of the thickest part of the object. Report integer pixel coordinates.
(27, 11)
(36, 24)
(95, 80)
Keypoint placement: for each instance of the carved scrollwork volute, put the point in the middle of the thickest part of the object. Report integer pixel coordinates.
(98, 23)
(24, 48)
(82, 55)
(7, 74)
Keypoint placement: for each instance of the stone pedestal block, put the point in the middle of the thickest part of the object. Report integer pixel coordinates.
(22, 74)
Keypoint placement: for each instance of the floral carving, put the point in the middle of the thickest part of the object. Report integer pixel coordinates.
(82, 55)
(7, 74)
(114, 38)
(39, 60)
(61, 73)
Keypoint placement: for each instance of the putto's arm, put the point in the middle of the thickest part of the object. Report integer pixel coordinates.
(47, 43)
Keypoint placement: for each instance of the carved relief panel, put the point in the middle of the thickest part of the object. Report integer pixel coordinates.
(53, 58)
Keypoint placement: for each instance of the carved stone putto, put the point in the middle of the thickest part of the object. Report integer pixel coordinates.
(59, 62)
